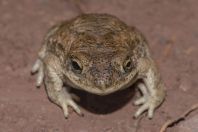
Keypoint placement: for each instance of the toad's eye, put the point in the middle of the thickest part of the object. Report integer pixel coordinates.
(76, 66)
(128, 65)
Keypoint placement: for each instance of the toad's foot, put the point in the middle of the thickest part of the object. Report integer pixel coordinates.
(38, 67)
(148, 102)
(65, 101)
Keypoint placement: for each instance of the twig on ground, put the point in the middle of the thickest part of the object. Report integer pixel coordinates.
(172, 122)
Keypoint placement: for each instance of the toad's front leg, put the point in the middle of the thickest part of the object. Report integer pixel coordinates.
(152, 89)
(54, 86)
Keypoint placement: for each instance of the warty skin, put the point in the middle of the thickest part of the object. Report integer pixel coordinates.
(100, 54)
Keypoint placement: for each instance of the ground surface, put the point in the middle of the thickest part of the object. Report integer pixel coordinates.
(170, 27)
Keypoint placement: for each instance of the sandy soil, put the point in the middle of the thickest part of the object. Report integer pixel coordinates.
(170, 27)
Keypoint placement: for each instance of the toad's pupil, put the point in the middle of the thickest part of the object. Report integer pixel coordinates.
(128, 65)
(76, 66)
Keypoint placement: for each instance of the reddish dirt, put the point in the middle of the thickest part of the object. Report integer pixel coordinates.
(170, 27)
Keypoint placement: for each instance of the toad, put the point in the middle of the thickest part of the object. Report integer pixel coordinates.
(100, 54)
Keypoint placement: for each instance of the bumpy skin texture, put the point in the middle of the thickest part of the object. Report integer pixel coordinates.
(100, 54)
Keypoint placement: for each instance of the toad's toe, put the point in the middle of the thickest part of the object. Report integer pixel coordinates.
(73, 105)
(38, 67)
(149, 105)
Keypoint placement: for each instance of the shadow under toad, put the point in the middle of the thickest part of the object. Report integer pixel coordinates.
(104, 104)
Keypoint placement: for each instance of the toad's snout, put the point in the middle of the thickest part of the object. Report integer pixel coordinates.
(102, 84)
(102, 78)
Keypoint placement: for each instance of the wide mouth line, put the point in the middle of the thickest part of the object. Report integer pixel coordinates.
(106, 91)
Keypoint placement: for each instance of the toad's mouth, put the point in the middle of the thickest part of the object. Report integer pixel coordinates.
(89, 86)
(107, 90)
